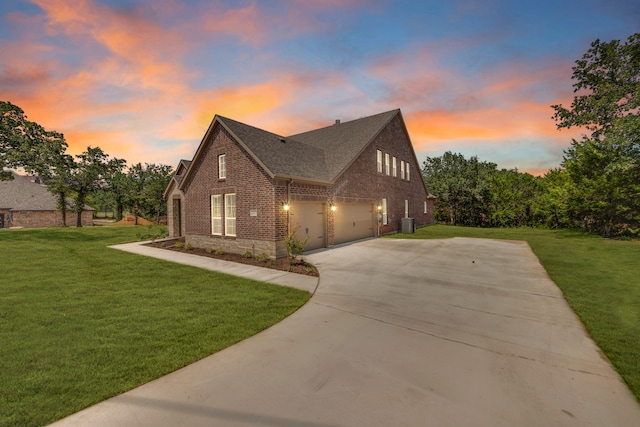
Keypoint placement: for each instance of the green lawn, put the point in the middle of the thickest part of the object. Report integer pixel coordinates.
(80, 322)
(599, 277)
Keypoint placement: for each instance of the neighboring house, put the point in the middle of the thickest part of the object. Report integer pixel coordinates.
(24, 202)
(246, 188)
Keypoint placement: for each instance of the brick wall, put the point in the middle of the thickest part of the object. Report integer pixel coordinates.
(255, 198)
(33, 219)
(361, 183)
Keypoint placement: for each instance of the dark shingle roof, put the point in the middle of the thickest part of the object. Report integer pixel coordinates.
(20, 194)
(342, 143)
(280, 155)
(320, 155)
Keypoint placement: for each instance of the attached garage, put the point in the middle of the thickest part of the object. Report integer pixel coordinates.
(310, 220)
(353, 221)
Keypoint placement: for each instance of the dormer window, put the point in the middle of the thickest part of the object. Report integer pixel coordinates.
(222, 166)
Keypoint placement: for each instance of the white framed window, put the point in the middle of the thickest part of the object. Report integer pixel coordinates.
(408, 174)
(406, 209)
(230, 214)
(222, 166)
(394, 168)
(384, 211)
(401, 169)
(216, 214)
(387, 165)
(379, 161)
(425, 206)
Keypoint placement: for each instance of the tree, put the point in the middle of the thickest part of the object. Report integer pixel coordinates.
(513, 198)
(157, 178)
(551, 206)
(90, 171)
(608, 79)
(461, 187)
(604, 167)
(26, 144)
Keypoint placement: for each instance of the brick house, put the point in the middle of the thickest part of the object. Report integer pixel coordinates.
(246, 188)
(27, 203)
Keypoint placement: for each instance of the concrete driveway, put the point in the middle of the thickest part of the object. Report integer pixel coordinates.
(457, 332)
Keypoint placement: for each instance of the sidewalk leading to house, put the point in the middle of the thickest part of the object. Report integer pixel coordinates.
(278, 277)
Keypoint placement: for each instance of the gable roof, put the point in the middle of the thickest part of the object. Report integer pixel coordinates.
(320, 155)
(21, 194)
(342, 143)
(177, 177)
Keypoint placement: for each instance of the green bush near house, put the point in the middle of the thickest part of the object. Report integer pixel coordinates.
(600, 278)
(81, 322)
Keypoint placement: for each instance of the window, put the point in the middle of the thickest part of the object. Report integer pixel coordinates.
(230, 214)
(222, 166)
(216, 214)
(408, 176)
(387, 169)
(401, 169)
(379, 160)
(406, 209)
(384, 211)
(394, 169)
(425, 206)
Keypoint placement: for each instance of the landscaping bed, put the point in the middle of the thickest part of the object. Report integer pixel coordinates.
(298, 266)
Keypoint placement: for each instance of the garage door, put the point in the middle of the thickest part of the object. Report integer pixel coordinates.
(309, 218)
(353, 222)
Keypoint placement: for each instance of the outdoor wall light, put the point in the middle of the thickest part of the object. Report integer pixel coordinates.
(333, 207)
(379, 208)
(285, 206)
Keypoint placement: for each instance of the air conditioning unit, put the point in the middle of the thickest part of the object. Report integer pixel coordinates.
(408, 225)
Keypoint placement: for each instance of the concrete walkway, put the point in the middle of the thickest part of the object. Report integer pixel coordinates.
(279, 277)
(456, 332)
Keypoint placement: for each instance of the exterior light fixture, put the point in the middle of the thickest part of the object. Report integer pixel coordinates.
(333, 208)
(379, 208)
(285, 206)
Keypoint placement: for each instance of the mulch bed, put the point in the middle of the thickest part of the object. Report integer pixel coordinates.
(298, 266)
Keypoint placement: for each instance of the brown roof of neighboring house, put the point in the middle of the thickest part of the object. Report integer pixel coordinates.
(21, 194)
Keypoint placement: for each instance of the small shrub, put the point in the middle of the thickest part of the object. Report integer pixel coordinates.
(163, 244)
(309, 270)
(248, 254)
(178, 245)
(209, 250)
(188, 246)
(272, 262)
(219, 251)
(262, 257)
(294, 245)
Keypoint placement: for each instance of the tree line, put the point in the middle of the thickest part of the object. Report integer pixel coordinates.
(92, 177)
(597, 186)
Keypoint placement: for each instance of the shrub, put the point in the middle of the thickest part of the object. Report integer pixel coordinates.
(294, 245)
(248, 254)
(188, 246)
(178, 245)
(262, 257)
(219, 251)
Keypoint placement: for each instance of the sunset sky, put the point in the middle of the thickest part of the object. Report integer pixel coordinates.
(143, 79)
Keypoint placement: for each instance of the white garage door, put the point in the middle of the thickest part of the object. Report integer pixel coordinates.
(309, 218)
(353, 222)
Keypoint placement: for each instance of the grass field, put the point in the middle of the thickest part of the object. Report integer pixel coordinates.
(599, 277)
(80, 322)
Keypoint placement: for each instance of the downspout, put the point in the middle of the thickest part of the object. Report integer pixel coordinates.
(289, 203)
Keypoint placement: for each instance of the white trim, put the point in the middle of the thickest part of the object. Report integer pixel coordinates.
(385, 218)
(230, 214)
(216, 214)
(222, 166)
(378, 161)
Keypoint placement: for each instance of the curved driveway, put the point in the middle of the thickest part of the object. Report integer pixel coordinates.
(456, 332)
